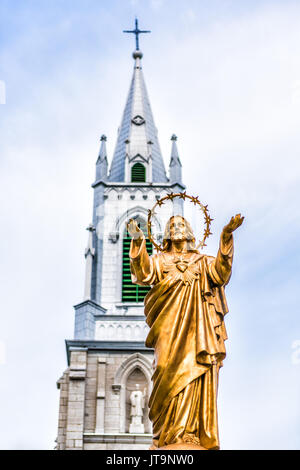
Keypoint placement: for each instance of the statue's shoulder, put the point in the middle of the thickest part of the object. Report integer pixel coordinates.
(157, 257)
(160, 256)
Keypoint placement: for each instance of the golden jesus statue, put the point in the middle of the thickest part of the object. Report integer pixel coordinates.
(185, 311)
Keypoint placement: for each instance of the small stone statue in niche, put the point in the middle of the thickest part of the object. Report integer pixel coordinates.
(137, 400)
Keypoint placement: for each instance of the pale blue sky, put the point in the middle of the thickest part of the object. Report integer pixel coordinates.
(225, 77)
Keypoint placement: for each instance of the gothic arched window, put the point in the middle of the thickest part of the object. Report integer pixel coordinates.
(138, 173)
(133, 292)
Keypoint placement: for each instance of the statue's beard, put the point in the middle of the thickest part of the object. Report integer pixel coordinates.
(178, 236)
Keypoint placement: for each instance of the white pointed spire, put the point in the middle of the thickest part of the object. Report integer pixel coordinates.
(175, 163)
(89, 255)
(138, 127)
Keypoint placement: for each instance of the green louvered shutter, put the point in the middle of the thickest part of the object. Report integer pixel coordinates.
(132, 292)
(138, 173)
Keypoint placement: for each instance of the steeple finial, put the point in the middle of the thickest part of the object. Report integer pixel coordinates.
(89, 255)
(136, 31)
(102, 152)
(175, 163)
(102, 163)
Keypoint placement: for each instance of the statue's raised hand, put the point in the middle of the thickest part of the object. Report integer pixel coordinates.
(234, 223)
(134, 231)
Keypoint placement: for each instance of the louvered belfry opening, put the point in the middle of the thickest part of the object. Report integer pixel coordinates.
(138, 173)
(132, 292)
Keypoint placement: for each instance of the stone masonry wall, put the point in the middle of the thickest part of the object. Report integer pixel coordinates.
(91, 402)
(63, 386)
(76, 400)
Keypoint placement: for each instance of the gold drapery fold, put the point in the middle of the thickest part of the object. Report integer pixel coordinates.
(192, 415)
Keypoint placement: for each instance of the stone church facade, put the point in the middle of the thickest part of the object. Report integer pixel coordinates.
(107, 359)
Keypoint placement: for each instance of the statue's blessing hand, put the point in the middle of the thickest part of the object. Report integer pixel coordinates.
(134, 230)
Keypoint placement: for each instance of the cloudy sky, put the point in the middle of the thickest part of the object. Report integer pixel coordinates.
(225, 77)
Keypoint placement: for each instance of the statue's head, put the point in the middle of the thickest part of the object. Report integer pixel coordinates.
(178, 229)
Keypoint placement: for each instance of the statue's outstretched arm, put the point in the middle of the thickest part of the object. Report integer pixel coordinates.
(142, 270)
(220, 268)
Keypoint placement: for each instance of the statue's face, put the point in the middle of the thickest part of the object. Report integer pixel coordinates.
(177, 229)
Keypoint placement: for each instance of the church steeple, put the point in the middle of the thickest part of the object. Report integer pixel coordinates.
(108, 352)
(136, 131)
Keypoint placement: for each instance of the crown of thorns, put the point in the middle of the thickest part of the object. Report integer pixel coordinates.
(184, 196)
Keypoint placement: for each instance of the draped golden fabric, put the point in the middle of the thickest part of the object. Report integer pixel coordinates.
(185, 311)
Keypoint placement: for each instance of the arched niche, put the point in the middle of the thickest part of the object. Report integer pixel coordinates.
(117, 236)
(137, 211)
(134, 367)
(136, 377)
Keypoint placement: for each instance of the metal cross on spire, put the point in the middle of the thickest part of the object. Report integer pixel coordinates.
(136, 31)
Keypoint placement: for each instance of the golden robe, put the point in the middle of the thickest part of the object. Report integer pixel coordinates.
(185, 311)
